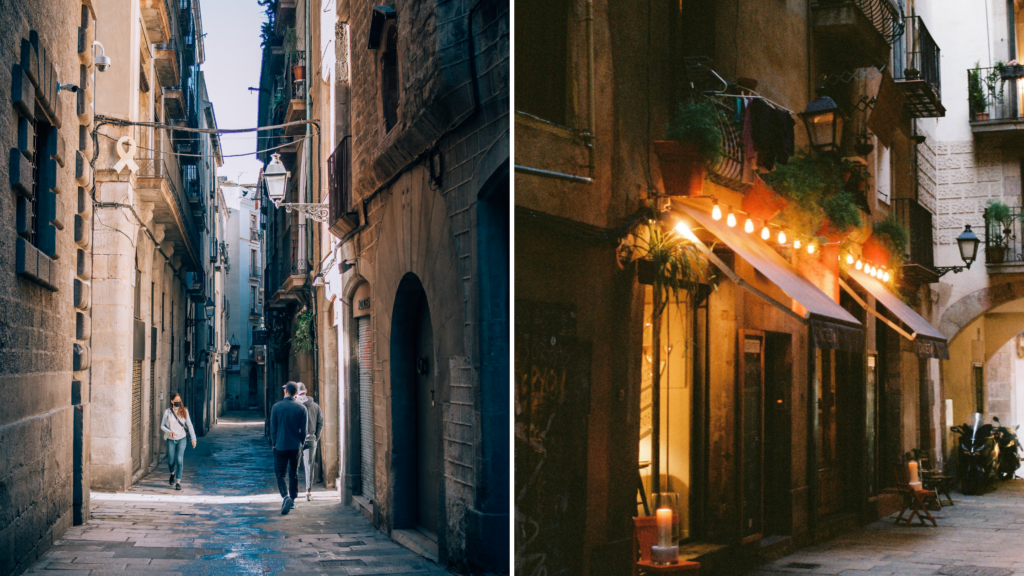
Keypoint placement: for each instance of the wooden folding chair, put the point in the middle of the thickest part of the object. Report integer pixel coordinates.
(645, 535)
(912, 499)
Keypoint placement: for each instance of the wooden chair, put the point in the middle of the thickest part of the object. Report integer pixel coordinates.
(912, 499)
(935, 481)
(645, 535)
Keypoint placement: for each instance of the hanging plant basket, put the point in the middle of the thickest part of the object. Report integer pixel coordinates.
(876, 251)
(298, 73)
(762, 202)
(682, 168)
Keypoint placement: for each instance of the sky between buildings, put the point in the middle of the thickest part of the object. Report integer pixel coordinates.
(233, 55)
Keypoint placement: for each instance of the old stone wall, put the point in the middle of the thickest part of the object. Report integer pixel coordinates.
(40, 478)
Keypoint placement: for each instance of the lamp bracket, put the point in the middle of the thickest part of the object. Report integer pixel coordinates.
(318, 212)
(942, 270)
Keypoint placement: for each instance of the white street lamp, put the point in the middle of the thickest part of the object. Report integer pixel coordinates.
(275, 176)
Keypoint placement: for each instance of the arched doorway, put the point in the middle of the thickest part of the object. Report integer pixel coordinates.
(416, 412)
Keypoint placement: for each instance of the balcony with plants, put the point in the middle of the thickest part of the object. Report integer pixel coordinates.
(916, 62)
(995, 98)
(1004, 253)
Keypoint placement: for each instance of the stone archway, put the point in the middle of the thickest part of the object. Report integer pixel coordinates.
(967, 309)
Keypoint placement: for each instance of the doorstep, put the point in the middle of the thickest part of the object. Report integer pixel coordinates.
(416, 541)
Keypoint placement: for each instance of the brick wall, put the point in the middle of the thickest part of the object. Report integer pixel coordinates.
(38, 322)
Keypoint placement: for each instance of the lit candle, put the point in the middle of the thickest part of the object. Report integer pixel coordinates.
(664, 527)
(913, 474)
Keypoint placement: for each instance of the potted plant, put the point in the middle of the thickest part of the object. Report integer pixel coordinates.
(291, 42)
(762, 202)
(976, 99)
(998, 218)
(888, 242)
(695, 145)
(1012, 70)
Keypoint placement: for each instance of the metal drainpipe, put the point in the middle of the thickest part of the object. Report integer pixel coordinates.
(589, 135)
(309, 145)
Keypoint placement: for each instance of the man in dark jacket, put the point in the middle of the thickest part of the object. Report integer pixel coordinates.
(314, 426)
(287, 435)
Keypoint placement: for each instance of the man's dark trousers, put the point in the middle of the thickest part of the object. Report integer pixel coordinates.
(289, 459)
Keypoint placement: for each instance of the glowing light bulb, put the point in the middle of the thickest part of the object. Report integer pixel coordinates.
(683, 230)
(731, 220)
(858, 265)
(748, 226)
(716, 212)
(810, 248)
(782, 237)
(796, 244)
(849, 258)
(874, 272)
(885, 276)
(765, 233)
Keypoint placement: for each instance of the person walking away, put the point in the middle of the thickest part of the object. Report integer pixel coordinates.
(287, 435)
(177, 427)
(314, 426)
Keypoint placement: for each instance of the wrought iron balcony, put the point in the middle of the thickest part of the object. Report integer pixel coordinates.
(995, 98)
(856, 32)
(1004, 252)
(920, 264)
(915, 67)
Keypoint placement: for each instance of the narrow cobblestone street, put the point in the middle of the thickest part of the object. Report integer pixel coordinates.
(225, 520)
(979, 536)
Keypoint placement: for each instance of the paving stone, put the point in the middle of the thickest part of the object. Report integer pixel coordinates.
(226, 519)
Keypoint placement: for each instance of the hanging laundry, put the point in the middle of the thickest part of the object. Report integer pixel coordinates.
(772, 132)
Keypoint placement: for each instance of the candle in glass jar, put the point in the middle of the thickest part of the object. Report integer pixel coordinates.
(664, 527)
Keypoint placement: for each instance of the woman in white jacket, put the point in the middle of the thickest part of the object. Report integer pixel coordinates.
(175, 424)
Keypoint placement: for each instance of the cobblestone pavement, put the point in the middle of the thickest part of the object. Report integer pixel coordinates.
(979, 536)
(225, 520)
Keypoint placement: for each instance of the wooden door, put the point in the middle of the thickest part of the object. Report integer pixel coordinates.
(829, 477)
(428, 403)
(751, 434)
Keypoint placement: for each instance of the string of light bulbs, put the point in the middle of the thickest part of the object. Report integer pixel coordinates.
(862, 264)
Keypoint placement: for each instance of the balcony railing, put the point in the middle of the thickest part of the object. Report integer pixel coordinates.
(1003, 239)
(915, 66)
(918, 221)
(339, 191)
(884, 15)
(157, 168)
(995, 93)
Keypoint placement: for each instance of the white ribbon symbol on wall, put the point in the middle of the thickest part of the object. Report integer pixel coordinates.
(126, 157)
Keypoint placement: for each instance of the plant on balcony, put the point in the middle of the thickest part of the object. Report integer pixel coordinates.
(976, 99)
(893, 237)
(267, 28)
(821, 191)
(998, 229)
(696, 144)
(302, 337)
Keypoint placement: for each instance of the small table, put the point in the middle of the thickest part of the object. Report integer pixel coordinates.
(934, 480)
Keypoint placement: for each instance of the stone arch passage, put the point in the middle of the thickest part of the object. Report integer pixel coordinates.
(967, 309)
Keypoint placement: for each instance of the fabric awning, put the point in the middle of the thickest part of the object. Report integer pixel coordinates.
(832, 326)
(930, 342)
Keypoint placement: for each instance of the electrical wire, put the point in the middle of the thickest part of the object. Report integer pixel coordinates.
(183, 154)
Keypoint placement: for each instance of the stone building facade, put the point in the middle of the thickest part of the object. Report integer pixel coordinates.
(409, 276)
(45, 219)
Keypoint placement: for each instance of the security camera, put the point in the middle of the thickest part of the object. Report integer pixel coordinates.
(102, 60)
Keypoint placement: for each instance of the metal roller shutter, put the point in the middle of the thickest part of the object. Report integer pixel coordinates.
(136, 415)
(365, 407)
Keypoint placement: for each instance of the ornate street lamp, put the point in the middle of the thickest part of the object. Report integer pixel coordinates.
(275, 177)
(211, 308)
(968, 242)
(824, 123)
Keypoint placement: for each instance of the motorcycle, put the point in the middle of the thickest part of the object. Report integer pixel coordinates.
(976, 455)
(1007, 451)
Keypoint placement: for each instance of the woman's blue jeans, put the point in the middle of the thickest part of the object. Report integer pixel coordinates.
(176, 456)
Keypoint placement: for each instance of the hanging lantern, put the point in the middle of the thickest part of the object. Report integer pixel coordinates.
(824, 123)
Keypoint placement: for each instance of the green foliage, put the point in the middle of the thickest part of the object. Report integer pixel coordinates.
(975, 93)
(996, 211)
(842, 212)
(267, 28)
(302, 337)
(280, 99)
(894, 236)
(818, 185)
(698, 123)
(677, 262)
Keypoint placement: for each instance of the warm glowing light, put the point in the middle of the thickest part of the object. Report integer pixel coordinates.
(683, 230)
(796, 244)
(748, 226)
(765, 233)
(782, 237)
(716, 212)
(849, 258)
(810, 248)
(874, 272)
(731, 220)
(858, 265)
(886, 276)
